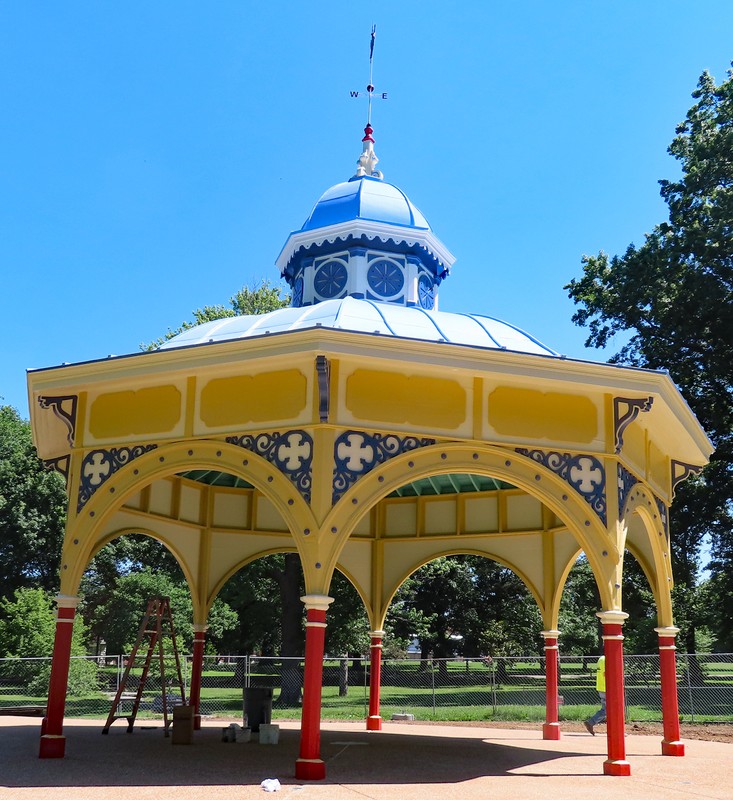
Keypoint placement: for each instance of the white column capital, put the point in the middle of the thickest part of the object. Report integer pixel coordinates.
(671, 631)
(200, 628)
(316, 602)
(67, 601)
(549, 634)
(375, 634)
(612, 617)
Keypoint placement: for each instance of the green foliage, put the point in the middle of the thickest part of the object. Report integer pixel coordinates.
(673, 297)
(466, 605)
(32, 510)
(255, 299)
(579, 627)
(27, 631)
(118, 619)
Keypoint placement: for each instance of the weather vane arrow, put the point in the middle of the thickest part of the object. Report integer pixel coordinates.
(370, 86)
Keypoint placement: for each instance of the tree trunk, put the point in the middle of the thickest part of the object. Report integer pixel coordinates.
(291, 686)
(344, 675)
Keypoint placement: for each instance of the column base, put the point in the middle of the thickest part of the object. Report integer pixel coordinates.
(52, 746)
(551, 731)
(197, 722)
(621, 768)
(310, 769)
(672, 748)
(374, 723)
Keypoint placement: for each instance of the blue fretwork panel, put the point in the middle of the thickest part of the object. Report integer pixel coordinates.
(291, 452)
(355, 453)
(626, 482)
(99, 466)
(663, 516)
(584, 473)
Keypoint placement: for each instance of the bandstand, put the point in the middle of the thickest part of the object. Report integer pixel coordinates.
(371, 432)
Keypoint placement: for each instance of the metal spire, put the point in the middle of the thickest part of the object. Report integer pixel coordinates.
(367, 162)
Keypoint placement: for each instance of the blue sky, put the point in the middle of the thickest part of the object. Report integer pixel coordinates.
(155, 156)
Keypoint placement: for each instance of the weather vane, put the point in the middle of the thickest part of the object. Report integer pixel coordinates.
(370, 86)
(366, 166)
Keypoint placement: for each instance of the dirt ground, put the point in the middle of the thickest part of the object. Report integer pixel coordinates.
(709, 732)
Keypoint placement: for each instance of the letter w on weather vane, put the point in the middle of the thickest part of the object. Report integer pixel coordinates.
(370, 93)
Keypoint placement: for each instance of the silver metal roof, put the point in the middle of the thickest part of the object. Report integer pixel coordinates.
(366, 316)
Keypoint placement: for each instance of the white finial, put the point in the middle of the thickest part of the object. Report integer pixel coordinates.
(367, 162)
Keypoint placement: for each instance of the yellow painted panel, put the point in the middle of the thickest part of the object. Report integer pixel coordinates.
(658, 466)
(253, 398)
(400, 519)
(134, 501)
(231, 510)
(542, 415)
(356, 559)
(118, 414)
(440, 516)
(524, 513)
(405, 399)
(482, 514)
(634, 447)
(161, 498)
(268, 517)
(190, 504)
(363, 526)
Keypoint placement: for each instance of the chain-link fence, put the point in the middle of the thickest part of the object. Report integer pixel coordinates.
(448, 689)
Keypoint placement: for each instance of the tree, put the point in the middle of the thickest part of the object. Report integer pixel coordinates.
(27, 631)
(578, 624)
(466, 605)
(674, 296)
(32, 511)
(118, 620)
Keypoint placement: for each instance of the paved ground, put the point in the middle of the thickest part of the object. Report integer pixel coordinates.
(404, 761)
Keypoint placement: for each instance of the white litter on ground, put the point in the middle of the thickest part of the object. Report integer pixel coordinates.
(271, 785)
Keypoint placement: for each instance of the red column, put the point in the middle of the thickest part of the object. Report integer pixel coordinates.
(613, 649)
(309, 766)
(197, 667)
(53, 742)
(551, 728)
(374, 720)
(671, 744)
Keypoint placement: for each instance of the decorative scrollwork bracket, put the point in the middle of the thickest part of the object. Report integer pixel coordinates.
(64, 408)
(681, 472)
(323, 371)
(625, 411)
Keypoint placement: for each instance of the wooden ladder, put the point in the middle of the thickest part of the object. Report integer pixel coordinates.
(157, 623)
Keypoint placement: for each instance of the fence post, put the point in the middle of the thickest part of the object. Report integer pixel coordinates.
(432, 681)
(689, 687)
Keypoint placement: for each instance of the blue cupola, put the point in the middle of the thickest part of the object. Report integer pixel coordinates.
(365, 239)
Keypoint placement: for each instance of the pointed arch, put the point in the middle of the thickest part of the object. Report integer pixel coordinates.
(83, 529)
(473, 458)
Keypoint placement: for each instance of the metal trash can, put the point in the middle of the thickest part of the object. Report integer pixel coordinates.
(257, 706)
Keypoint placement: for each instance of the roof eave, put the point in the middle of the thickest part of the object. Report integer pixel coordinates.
(370, 229)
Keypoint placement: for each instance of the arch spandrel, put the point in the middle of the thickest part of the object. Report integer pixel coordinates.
(84, 528)
(535, 479)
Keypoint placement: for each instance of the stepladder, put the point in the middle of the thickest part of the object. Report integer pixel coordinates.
(155, 644)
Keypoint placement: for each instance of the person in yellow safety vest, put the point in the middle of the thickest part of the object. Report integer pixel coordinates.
(600, 715)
